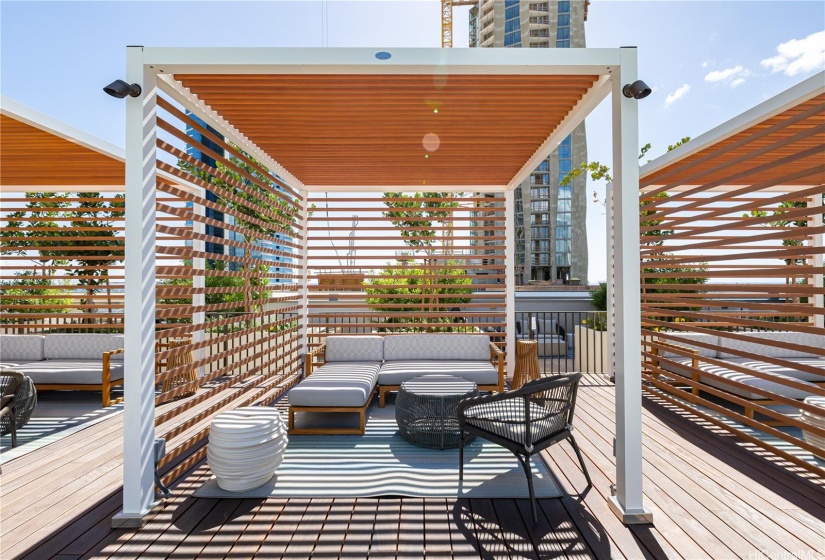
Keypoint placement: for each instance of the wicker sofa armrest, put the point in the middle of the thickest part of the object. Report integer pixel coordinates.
(310, 363)
(497, 359)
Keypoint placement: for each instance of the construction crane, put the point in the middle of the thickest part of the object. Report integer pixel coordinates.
(447, 19)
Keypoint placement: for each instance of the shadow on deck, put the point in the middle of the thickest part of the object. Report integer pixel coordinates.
(711, 497)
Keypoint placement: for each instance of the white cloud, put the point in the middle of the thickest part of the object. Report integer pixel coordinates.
(705, 64)
(798, 55)
(732, 77)
(677, 95)
(722, 75)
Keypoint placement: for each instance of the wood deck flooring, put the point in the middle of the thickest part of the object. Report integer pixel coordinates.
(712, 497)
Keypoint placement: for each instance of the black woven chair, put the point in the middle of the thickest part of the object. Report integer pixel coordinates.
(10, 384)
(525, 421)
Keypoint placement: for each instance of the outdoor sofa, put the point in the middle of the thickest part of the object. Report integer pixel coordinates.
(550, 336)
(351, 368)
(732, 362)
(87, 362)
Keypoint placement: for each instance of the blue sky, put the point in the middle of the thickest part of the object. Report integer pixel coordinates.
(704, 59)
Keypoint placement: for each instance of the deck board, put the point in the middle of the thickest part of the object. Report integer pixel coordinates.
(711, 497)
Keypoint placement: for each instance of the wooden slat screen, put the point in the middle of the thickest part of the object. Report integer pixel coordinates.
(247, 350)
(62, 259)
(731, 264)
(448, 276)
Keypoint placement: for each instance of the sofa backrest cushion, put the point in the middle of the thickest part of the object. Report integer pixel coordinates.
(21, 347)
(471, 347)
(548, 327)
(684, 339)
(355, 348)
(774, 347)
(81, 346)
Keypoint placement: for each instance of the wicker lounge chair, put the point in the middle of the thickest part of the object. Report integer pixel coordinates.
(525, 421)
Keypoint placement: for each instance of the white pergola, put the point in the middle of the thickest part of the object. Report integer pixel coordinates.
(157, 69)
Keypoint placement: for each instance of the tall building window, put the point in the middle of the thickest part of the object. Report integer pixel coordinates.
(512, 24)
(563, 26)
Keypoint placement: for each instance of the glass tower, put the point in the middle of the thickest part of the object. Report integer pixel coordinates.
(551, 242)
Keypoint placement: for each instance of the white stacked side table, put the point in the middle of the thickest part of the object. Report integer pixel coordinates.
(815, 420)
(246, 445)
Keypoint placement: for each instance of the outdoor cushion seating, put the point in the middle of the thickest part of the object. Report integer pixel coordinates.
(345, 382)
(67, 361)
(351, 367)
(732, 352)
(551, 336)
(411, 355)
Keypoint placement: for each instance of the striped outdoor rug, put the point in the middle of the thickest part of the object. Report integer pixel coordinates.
(380, 463)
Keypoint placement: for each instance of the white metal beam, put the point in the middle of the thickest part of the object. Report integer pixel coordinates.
(303, 290)
(817, 241)
(139, 305)
(627, 502)
(610, 283)
(438, 62)
(510, 277)
(576, 116)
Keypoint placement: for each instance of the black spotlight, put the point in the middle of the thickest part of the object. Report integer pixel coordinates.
(636, 90)
(121, 89)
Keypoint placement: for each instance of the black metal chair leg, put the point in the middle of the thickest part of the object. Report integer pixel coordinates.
(12, 423)
(581, 459)
(525, 463)
(461, 457)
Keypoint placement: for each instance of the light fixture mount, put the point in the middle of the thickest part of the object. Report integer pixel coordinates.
(636, 90)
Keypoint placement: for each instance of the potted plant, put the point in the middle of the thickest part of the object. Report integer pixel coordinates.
(591, 352)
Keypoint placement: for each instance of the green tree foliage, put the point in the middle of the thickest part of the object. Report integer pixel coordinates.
(26, 294)
(255, 206)
(418, 210)
(410, 287)
(68, 244)
(260, 294)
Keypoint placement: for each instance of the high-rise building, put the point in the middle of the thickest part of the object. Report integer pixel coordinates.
(280, 264)
(551, 234)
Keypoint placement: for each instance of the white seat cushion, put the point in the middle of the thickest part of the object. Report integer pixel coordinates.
(396, 372)
(347, 384)
(69, 372)
(793, 372)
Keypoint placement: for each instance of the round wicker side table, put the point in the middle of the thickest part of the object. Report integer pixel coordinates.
(527, 362)
(425, 409)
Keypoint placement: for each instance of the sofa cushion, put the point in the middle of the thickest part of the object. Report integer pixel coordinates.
(549, 327)
(473, 347)
(336, 384)
(21, 347)
(69, 372)
(355, 348)
(750, 380)
(478, 371)
(684, 339)
(774, 346)
(10, 365)
(792, 372)
(80, 346)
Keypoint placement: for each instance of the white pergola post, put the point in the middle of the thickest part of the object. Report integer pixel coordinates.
(198, 283)
(139, 308)
(510, 277)
(611, 312)
(303, 291)
(627, 501)
(819, 299)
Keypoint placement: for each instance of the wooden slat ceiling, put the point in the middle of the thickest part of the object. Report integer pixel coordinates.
(31, 156)
(371, 130)
(786, 149)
